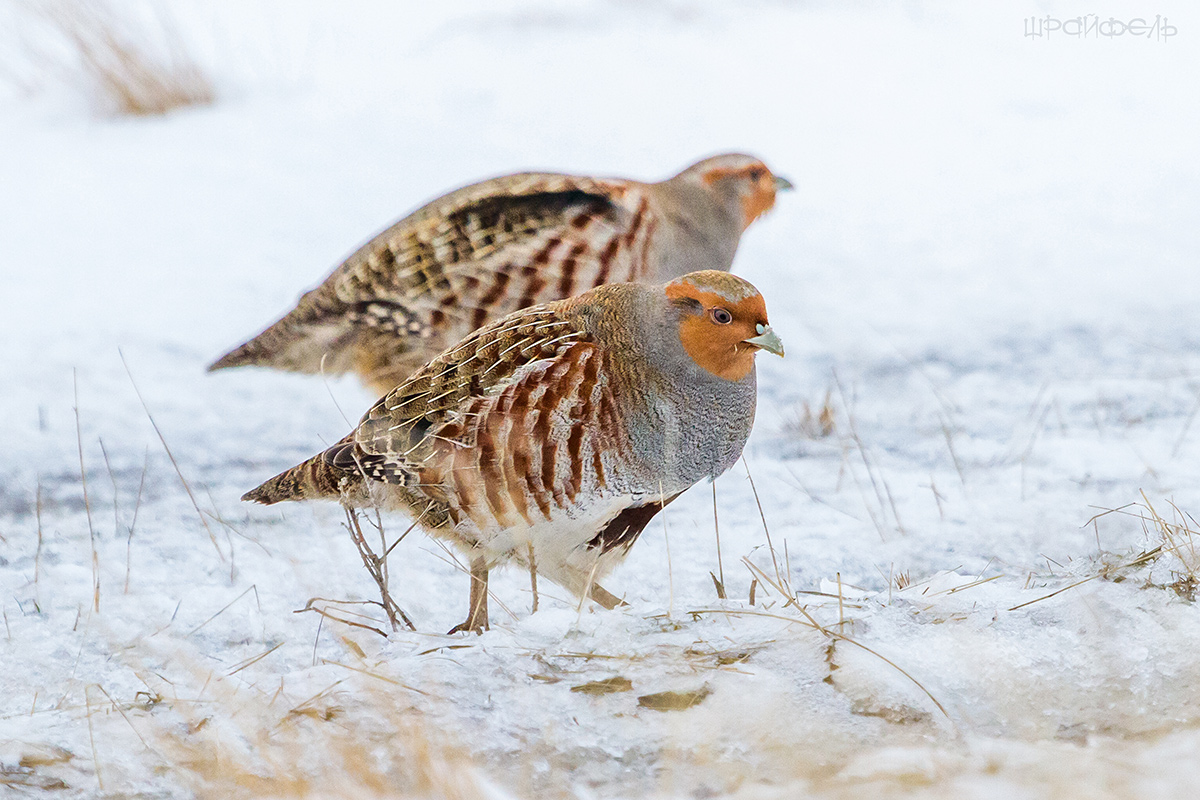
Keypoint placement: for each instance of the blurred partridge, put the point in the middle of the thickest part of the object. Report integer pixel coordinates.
(489, 249)
(552, 437)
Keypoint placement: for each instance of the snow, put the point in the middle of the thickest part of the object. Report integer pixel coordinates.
(987, 272)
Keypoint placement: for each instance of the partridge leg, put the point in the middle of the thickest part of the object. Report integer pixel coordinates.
(477, 613)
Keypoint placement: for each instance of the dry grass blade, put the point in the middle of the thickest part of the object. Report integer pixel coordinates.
(718, 585)
(533, 579)
(128, 66)
(27, 778)
(87, 699)
(374, 675)
(37, 556)
(325, 613)
(783, 589)
(113, 480)
(810, 622)
(1057, 592)
(1186, 427)
(970, 585)
(1139, 560)
(87, 503)
(137, 505)
(253, 588)
(254, 660)
(883, 497)
(841, 605)
(309, 707)
(950, 446)
(719, 582)
(45, 755)
(186, 486)
(125, 716)
(766, 530)
(262, 749)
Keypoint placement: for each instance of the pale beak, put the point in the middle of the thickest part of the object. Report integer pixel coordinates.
(766, 340)
(782, 184)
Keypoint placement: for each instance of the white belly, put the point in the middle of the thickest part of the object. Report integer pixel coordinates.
(560, 545)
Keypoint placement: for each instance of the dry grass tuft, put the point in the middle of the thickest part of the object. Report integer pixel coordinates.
(1177, 541)
(807, 422)
(243, 746)
(1176, 545)
(127, 64)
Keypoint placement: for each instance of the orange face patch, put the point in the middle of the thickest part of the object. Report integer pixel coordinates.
(757, 190)
(720, 348)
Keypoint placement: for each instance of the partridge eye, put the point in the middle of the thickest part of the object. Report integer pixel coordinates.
(721, 316)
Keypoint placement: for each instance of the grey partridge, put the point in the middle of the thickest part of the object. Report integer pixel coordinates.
(492, 248)
(552, 437)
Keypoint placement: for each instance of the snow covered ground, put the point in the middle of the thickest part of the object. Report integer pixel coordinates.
(988, 275)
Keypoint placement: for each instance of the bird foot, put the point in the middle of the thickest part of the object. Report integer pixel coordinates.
(468, 626)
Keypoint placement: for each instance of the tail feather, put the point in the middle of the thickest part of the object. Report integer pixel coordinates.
(314, 479)
(301, 341)
(243, 355)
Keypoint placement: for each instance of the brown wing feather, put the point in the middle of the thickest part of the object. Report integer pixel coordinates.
(627, 526)
(434, 405)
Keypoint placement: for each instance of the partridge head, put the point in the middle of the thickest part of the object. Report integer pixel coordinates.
(723, 323)
(484, 251)
(743, 185)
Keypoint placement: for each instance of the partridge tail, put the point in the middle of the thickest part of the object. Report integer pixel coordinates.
(315, 479)
(309, 339)
(248, 354)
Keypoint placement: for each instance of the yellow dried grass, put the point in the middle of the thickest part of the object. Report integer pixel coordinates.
(126, 65)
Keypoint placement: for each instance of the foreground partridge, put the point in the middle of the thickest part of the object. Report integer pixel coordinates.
(552, 436)
(489, 249)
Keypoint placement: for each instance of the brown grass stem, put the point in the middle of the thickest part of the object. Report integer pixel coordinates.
(377, 568)
(87, 503)
(253, 588)
(37, 556)
(253, 660)
(92, 737)
(117, 706)
(186, 486)
(326, 614)
(811, 623)
(533, 578)
(137, 505)
(719, 579)
(374, 675)
(762, 515)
